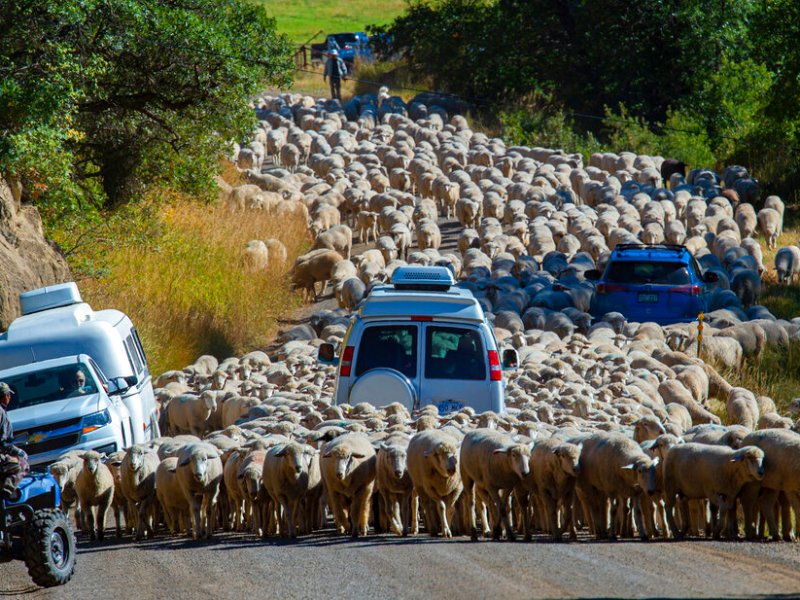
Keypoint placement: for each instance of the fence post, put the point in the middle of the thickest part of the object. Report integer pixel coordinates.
(700, 318)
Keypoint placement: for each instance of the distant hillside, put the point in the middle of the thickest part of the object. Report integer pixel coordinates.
(300, 19)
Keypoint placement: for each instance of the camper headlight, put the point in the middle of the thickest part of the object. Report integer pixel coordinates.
(95, 421)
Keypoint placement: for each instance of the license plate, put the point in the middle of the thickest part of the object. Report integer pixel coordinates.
(648, 298)
(449, 406)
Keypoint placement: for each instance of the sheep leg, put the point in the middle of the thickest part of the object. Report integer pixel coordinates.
(522, 500)
(397, 522)
(359, 512)
(501, 519)
(339, 515)
(767, 502)
(786, 516)
(469, 505)
(643, 505)
(441, 509)
(405, 510)
(670, 513)
(118, 519)
(414, 513)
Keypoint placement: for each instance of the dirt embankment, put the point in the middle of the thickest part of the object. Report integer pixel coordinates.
(27, 259)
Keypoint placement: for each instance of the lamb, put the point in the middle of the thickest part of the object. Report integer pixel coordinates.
(250, 481)
(781, 450)
(190, 413)
(428, 235)
(613, 468)
(199, 473)
(787, 264)
(714, 473)
(347, 464)
(770, 223)
(95, 488)
(174, 505)
(433, 466)
(285, 478)
(367, 225)
(394, 484)
(138, 482)
(65, 471)
(490, 463)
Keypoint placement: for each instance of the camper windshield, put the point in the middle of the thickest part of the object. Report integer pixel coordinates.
(48, 385)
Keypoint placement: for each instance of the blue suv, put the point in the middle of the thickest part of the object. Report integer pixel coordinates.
(661, 283)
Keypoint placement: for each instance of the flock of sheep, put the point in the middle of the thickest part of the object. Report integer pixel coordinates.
(608, 429)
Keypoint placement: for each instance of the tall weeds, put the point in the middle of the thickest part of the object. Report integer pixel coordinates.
(186, 288)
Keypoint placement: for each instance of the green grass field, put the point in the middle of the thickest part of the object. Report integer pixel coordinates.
(300, 19)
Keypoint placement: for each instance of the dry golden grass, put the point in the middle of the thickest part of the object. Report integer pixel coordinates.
(187, 291)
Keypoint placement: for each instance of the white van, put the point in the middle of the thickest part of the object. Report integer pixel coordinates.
(421, 341)
(56, 323)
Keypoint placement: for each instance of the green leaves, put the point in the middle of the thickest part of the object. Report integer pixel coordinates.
(127, 93)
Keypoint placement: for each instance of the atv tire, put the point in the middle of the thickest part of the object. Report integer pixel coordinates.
(49, 548)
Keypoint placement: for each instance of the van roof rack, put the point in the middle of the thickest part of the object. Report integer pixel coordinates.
(432, 279)
(643, 246)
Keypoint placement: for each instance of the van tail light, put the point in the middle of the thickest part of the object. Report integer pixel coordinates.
(692, 290)
(605, 288)
(347, 361)
(495, 372)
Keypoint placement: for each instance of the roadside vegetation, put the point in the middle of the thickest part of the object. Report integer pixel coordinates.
(174, 265)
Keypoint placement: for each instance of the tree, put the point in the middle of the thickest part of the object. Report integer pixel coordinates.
(119, 94)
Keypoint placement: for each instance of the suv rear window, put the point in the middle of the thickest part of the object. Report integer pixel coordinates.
(388, 346)
(454, 353)
(633, 271)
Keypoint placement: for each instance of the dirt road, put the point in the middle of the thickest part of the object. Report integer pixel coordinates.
(327, 566)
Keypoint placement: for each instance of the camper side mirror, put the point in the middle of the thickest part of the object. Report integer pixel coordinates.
(592, 274)
(510, 359)
(117, 386)
(326, 354)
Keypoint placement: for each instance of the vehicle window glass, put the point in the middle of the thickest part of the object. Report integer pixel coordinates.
(133, 355)
(98, 371)
(631, 271)
(139, 347)
(388, 346)
(52, 384)
(454, 353)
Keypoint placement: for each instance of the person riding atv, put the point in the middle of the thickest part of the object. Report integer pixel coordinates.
(13, 461)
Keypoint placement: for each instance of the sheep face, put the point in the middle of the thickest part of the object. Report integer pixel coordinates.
(136, 458)
(198, 465)
(397, 459)
(642, 473)
(570, 456)
(519, 457)
(293, 455)
(648, 429)
(91, 461)
(60, 473)
(344, 460)
(444, 459)
(753, 458)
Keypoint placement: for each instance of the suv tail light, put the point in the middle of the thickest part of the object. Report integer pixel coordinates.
(692, 290)
(495, 372)
(347, 361)
(605, 288)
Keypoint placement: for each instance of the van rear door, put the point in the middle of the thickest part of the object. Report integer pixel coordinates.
(392, 346)
(455, 369)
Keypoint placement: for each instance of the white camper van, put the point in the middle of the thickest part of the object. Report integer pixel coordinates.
(57, 324)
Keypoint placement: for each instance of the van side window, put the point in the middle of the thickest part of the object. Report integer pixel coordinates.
(139, 348)
(454, 353)
(133, 356)
(388, 346)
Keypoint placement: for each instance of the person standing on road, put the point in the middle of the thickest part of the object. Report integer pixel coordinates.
(336, 70)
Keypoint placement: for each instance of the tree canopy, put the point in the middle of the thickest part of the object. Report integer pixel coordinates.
(100, 98)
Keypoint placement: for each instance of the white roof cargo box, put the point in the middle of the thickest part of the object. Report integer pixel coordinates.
(54, 296)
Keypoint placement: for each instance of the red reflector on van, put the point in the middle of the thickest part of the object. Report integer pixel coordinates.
(347, 361)
(605, 288)
(692, 290)
(495, 372)
(419, 318)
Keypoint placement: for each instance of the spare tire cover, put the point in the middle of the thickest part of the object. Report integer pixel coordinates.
(383, 386)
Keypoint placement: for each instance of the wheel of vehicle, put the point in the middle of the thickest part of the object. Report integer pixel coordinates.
(383, 386)
(50, 548)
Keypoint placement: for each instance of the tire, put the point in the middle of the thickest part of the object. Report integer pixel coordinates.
(50, 548)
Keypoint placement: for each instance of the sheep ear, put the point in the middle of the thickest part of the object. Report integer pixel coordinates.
(427, 453)
(355, 455)
(326, 455)
(629, 467)
(281, 452)
(580, 447)
(503, 450)
(736, 458)
(184, 461)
